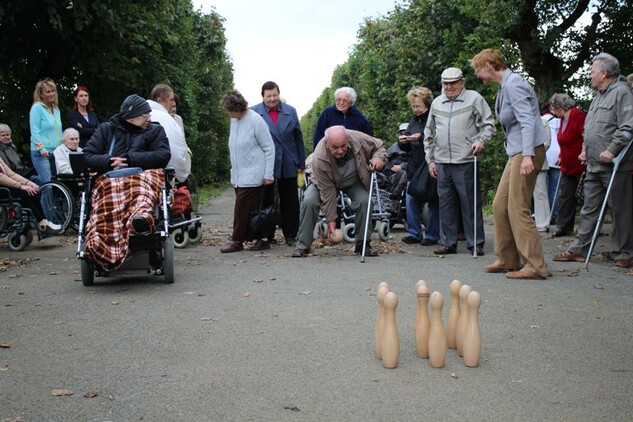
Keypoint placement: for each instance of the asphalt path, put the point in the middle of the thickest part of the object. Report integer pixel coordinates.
(263, 336)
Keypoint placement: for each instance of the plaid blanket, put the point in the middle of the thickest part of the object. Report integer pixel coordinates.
(114, 203)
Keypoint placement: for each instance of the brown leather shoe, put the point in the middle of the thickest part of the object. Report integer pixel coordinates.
(522, 275)
(445, 250)
(369, 251)
(232, 247)
(568, 257)
(496, 267)
(623, 263)
(300, 253)
(480, 250)
(260, 245)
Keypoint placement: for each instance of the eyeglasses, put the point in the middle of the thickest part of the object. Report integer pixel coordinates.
(342, 100)
(147, 115)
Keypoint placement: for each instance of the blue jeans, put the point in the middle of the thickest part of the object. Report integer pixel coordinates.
(414, 219)
(552, 181)
(45, 166)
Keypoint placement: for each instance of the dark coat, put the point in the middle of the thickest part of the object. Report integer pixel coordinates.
(289, 149)
(417, 156)
(353, 119)
(86, 129)
(145, 148)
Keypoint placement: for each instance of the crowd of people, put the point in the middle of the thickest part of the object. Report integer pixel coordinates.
(554, 151)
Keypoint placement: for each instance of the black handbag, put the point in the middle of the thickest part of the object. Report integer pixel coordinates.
(422, 186)
(263, 221)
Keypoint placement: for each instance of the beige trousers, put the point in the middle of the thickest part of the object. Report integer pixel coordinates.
(516, 238)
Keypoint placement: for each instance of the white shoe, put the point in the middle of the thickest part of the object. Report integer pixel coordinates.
(53, 226)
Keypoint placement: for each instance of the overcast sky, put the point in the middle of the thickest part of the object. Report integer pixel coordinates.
(294, 43)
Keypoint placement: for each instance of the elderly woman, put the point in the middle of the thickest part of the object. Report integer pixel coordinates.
(252, 153)
(10, 156)
(27, 192)
(420, 99)
(82, 117)
(70, 143)
(516, 238)
(46, 128)
(343, 113)
(570, 141)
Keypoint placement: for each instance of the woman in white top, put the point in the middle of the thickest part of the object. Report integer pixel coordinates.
(70, 143)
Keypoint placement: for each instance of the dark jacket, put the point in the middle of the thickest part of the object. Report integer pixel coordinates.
(353, 119)
(417, 156)
(11, 158)
(145, 148)
(86, 129)
(289, 149)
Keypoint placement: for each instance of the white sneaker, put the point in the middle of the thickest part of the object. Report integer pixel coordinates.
(53, 226)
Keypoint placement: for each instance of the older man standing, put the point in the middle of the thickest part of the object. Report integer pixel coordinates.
(608, 130)
(344, 113)
(459, 125)
(343, 160)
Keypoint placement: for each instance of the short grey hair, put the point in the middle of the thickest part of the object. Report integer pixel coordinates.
(562, 101)
(608, 63)
(350, 91)
(4, 128)
(68, 133)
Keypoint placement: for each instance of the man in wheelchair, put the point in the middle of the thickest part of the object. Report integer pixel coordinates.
(128, 153)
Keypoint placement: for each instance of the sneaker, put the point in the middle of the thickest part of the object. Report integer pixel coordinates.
(49, 231)
(410, 240)
(54, 226)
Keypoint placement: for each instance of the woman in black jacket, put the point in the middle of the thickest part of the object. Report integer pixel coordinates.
(82, 117)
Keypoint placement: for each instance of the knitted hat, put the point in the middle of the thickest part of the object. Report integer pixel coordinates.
(134, 106)
(403, 126)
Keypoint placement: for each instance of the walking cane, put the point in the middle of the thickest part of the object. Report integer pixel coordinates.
(368, 216)
(616, 163)
(551, 211)
(475, 208)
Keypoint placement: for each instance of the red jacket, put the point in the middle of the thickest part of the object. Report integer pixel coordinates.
(570, 142)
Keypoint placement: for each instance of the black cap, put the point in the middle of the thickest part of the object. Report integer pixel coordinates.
(133, 106)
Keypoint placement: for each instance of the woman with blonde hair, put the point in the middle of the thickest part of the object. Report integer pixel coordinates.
(46, 128)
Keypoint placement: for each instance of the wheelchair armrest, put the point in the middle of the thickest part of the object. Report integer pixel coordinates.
(5, 193)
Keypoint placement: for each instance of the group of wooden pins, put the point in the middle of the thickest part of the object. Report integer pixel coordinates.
(432, 340)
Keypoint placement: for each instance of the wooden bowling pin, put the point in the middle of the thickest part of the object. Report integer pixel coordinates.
(453, 315)
(472, 335)
(463, 315)
(422, 323)
(383, 289)
(437, 340)
(390, 347)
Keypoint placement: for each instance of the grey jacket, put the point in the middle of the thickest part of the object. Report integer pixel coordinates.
(609, 125)
(518, 112)
(453, 126)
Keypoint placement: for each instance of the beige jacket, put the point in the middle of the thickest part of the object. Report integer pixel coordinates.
(9, 178)
(326, 176)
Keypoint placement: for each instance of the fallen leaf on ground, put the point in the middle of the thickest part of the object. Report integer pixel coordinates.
(5, 346)
(208, 319)
(535, 327)
(258, 280)
(4, 367)
(247, 294)
(91, 394)
(114, 302)
(57, 392)
(596, 302)
(305, 293)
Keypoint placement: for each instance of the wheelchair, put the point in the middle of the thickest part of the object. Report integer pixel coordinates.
(150, 253)
(15, 222)
(186, 227)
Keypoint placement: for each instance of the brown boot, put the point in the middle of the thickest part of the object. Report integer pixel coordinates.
(232, 246)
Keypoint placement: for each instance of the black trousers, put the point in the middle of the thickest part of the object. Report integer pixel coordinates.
(246, 200)
(284, 193)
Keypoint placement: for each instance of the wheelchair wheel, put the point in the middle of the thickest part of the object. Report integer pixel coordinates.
(168, 260)
(29, 237)
(181, 237)
(384, 230)
(17, 241)
(319, 229)
(349, 233)
(4, 218)
(195, 233)
(58, 203)
(87, 272)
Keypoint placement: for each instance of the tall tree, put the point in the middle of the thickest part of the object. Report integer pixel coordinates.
(115, 48)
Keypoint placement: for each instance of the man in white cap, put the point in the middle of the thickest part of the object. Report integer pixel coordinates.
(459, 125)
